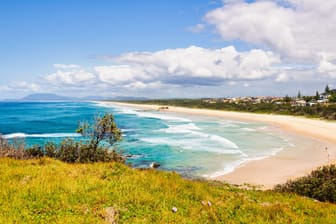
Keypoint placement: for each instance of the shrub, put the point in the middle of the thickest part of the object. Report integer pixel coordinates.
(50, 149)
(68, 151)
(34, 152)
(320, 184)
(103, 130)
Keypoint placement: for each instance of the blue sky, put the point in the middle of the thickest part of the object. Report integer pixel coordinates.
(35, 34)
(173, 48)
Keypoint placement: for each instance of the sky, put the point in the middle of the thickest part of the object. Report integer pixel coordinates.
(167, 49)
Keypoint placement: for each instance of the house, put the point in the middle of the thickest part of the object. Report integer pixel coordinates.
(300, 103)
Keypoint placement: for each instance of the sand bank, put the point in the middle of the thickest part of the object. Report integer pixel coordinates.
(319, 149)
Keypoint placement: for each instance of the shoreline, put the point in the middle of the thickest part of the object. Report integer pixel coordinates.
(287, 164)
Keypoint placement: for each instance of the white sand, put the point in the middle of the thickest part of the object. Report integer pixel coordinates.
(287, 164)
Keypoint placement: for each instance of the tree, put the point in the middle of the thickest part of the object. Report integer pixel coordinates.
(299, 95)
(104, 128)
(317, 95)
(332, 98)
(287, 99)
(327, 89)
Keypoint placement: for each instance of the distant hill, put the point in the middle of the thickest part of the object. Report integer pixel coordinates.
(55, 97)
(45, 97)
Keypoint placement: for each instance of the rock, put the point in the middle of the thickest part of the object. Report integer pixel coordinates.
(174, 209)
(111, 215)
(154, 165)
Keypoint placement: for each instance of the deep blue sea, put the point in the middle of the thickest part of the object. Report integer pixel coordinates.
(190, 145)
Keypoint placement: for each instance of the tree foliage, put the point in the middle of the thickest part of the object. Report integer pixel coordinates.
(104, 128)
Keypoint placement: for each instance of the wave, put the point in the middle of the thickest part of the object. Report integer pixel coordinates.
(196, 144)
(183, 128)
(142, 113)
(159, 116)
(192, 129)
(229, 168)
(50, 135)
(248, 129)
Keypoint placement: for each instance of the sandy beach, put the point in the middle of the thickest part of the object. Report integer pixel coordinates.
(318, 150)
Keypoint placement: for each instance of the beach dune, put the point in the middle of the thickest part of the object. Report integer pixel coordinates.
(288, 163)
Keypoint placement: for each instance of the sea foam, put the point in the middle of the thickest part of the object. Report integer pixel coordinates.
(49, 135)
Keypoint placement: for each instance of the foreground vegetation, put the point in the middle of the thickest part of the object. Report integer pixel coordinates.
(320, 184)
(95, 186)
(315, 111)
(46, 190)
(104, 130)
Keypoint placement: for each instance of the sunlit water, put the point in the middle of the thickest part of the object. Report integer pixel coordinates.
(190, 145)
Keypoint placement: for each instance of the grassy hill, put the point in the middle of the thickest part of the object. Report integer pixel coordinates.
(50, 191)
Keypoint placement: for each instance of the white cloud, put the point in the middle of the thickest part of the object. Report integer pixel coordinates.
(197, 28)
(73, 77)
(161, 71)
(142, 85)
(65, 66)
(4, 88)
(195, 65)
(328, 68)
(282, 77)
(117, 74)
(25, 86)
(299, 29)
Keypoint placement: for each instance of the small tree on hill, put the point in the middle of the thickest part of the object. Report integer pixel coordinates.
(104, 128)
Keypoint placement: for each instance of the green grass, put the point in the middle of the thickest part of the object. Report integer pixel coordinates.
(50, 191)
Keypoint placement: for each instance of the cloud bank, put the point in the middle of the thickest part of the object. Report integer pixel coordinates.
(289, 42)
(298, 30)
(180, 67)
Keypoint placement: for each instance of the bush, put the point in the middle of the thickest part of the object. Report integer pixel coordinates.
(50, 149)
(79, 152)
(320, 184)
(68, 151)
(34, 152)
(103, 130)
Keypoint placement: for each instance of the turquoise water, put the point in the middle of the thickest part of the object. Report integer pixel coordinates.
(190, 145)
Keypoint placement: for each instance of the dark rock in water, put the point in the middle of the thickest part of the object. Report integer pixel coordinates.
(154, 165)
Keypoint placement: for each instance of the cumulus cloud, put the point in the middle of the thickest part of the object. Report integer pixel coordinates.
(282, 77)
(118, 74)
(166, 69)
(25, 86)
(328, 68)
(20, 87)
(70, 77)
(298, 29)
(196, 65)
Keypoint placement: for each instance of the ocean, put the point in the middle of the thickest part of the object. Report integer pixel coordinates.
(193, 146)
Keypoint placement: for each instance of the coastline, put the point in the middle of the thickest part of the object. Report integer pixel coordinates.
(286, 164)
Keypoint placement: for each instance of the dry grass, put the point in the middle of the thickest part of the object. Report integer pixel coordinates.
(50, 191)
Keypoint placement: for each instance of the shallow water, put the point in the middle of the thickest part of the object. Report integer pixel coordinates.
(192, 145)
